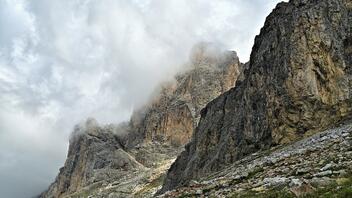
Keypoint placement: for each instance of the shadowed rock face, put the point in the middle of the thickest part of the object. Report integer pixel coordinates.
(95, 154)
(127, 160)
(298, 82)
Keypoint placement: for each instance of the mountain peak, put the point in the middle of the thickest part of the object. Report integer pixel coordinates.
(298, 82)
(139, 152)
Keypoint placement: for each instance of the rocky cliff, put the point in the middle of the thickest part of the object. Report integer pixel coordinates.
(130, 159)
(298, 82)
(95, 155)
(173, 114)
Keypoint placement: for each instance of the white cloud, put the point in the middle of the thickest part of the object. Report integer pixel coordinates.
(62, 61)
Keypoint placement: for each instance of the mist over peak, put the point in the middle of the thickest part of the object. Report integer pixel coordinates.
(64, 61)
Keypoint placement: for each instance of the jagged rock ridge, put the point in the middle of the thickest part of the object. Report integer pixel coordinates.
(298, 82)
(130, 159)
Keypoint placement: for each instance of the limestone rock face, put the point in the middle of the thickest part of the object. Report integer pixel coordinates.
(130, 160)
(172, 116)
(298, 82)
(95, 155)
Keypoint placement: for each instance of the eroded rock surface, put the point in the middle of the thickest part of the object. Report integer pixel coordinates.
(130, 160)
(298, 82)
(95, 155)
(172, 116)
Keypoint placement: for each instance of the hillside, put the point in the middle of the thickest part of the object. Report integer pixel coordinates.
(320, 165)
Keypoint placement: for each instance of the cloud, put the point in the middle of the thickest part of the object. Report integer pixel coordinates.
(62, 61)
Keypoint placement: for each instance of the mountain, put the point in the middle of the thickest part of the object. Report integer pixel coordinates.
(277, 126)
(172, 115)
(298, 83)
(131, 159)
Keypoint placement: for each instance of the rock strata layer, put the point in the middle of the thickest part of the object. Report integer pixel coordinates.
(298, 82)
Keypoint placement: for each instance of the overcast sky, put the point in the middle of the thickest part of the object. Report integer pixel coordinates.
(62, 61)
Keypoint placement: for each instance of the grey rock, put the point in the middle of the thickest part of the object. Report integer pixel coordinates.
(302, 171)
(298, 82)
(324, 173)
(321, 181)
(275, 181)
(341, 173)
(226, 181)
(171, 116)
(95, 154)
(327, 167)
(296, 182)
(121, 160)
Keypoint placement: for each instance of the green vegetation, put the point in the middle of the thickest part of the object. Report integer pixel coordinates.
(341, 189)
(275, 193)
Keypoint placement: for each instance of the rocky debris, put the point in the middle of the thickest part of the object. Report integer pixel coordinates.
(130, 160)
(298, 82)
(140, 183)
(326, 156)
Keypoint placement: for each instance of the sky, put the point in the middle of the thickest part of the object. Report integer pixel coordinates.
(62, 61)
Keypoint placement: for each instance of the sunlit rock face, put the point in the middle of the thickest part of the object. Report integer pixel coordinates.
(173, 114)
(130, 160)
(298, 82)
